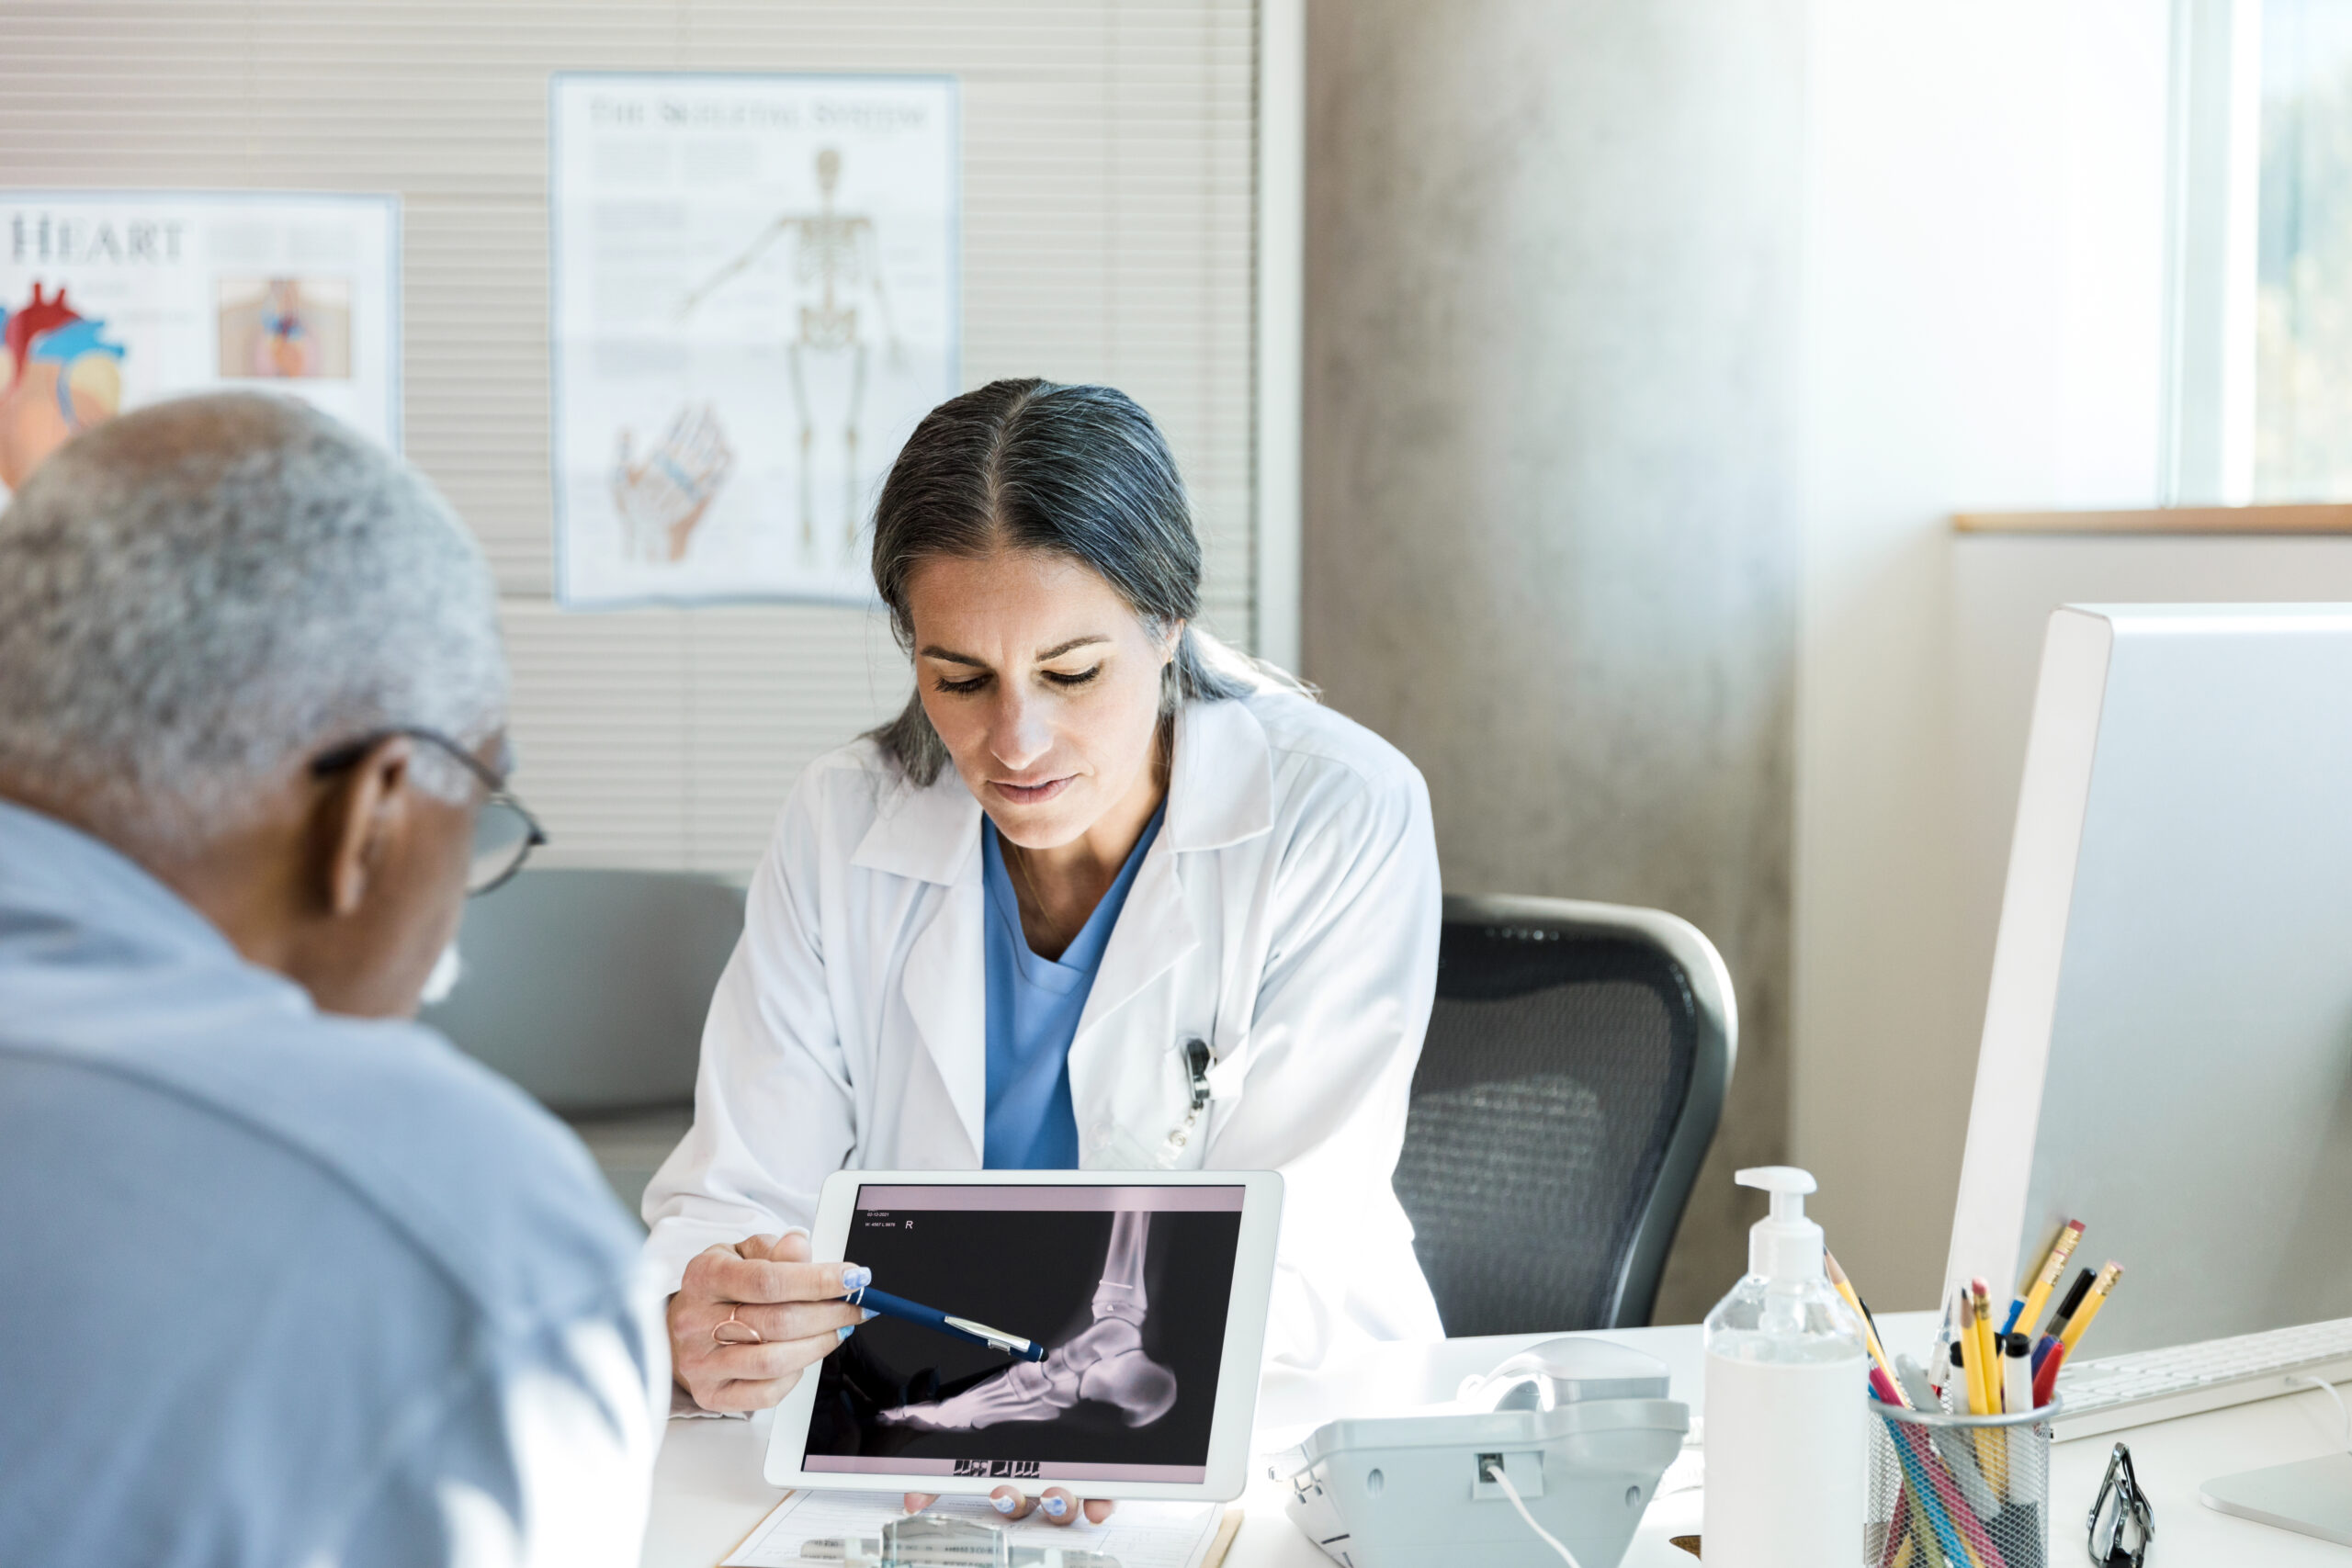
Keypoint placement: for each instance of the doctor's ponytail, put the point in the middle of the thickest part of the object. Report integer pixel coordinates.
(1079, 471)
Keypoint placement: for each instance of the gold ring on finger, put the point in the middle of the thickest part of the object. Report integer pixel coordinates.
(744, 1333)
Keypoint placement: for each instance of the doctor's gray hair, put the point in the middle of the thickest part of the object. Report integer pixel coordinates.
(199, 594)
(1078, 471)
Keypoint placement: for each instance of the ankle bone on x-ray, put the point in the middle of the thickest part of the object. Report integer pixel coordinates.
(1104, 1362)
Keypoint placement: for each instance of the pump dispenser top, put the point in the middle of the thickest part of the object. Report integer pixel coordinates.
(1785, 1245)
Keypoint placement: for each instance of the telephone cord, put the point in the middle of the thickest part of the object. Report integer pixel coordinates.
(1494, 1473)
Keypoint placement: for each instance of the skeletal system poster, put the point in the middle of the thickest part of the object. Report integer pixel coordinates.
(754, 299)
(110, 300)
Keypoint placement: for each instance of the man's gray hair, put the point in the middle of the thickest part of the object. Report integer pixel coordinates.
(200, 594)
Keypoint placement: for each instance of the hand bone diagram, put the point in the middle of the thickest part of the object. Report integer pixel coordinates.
(1104, 1362)
(661, 498)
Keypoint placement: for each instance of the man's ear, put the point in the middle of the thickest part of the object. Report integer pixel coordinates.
(360, 818)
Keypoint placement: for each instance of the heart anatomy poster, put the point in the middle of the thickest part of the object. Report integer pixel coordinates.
(754, 301)
(110, 300)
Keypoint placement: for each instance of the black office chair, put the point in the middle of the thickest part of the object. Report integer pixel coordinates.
(1571, 1081)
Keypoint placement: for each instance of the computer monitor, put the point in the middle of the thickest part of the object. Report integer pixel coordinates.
(2167, 1047)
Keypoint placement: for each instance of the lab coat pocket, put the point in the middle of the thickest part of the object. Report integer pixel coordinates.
(1171, 1133)
(1123, 1150)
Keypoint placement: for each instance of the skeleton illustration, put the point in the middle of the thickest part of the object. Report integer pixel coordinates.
(1104, 1362)
(661, 499)
(836, 254)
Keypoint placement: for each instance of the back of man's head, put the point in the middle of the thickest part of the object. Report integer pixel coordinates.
(196, 596)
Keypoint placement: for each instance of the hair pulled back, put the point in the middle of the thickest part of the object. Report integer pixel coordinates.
(1032, 464)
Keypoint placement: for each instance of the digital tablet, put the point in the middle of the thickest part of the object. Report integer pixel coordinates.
(1106, 1333)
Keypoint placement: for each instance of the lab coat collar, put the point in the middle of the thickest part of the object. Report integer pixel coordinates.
(932, 834)
(1221, 779)
(1220, 792)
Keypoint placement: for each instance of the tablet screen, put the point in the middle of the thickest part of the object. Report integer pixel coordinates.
(1127, 1287)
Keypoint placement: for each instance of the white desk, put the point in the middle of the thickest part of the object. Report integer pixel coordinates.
(707, 1493)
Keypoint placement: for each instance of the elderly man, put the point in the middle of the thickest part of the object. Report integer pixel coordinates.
(283, 1278)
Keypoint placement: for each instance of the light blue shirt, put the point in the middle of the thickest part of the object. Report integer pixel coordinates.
(275, 1286)
(1034, 1006)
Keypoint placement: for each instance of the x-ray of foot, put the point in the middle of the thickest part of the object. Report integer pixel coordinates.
(1104, 1362)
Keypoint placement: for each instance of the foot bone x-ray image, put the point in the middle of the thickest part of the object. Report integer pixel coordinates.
(1105, 1363)
(1129, 1304)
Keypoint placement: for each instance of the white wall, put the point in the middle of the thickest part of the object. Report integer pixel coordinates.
(1984, 270)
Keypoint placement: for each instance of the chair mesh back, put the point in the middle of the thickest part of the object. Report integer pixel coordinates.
(1555, 1066)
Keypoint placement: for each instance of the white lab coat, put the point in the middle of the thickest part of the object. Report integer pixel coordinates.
(1287, 914)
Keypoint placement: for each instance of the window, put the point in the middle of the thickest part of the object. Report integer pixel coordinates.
(2259, 283)
(2302, 311)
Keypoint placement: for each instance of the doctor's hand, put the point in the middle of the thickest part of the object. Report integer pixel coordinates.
(1055, 1502)
(748, 1318)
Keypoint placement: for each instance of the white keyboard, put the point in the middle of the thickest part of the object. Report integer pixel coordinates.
(2156, 1385)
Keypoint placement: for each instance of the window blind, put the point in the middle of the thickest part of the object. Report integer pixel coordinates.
(1108, 203)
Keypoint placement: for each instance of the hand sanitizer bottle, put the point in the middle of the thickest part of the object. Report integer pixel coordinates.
(1787, 1421)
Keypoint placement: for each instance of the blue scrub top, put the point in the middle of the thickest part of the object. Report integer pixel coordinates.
(1034, 1006)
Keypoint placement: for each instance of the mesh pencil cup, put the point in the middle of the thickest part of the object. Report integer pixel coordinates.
(1958, 1491)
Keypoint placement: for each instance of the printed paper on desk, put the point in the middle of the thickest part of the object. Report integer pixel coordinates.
(1140, 1535)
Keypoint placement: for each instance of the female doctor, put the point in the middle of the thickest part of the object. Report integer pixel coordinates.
(986, 933)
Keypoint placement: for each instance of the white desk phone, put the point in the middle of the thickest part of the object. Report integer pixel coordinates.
(1564, 1442)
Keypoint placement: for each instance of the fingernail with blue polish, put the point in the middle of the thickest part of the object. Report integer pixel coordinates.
(847, 1329)
(1055, 1506)
(1005, 1504)
(870, 1314)
(856, 1277)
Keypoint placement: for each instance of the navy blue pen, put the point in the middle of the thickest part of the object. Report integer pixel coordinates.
(941, 1322)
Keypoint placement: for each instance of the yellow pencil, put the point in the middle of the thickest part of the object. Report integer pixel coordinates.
(2101, 1288)
(2044, 1283)
(1981, 1295)
(1992, 1453)
(1844, 1288)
